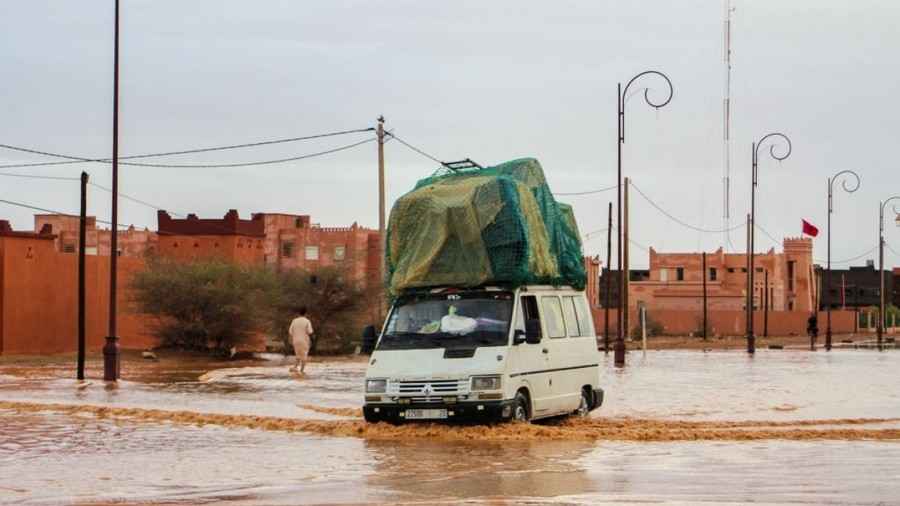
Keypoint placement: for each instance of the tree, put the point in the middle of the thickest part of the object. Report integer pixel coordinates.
(202, 305)
(335, 304)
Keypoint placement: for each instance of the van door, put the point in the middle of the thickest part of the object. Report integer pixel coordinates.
(561, 378)
(528, 361)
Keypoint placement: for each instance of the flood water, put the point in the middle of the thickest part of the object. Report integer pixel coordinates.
(784, 427)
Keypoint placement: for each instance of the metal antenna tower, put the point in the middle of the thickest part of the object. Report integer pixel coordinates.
(726, 124)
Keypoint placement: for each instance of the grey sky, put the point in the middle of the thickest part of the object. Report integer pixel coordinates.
(488, 80)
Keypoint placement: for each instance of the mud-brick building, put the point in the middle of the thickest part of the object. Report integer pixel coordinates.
(229, 238)
(39, 296)
(293, 242)
(674, 281)
(132, 242)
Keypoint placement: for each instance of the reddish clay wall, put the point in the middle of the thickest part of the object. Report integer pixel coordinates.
(39, 300)
(229, 248)
(731, 323)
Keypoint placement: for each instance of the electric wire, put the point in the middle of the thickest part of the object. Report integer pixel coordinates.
(589, 192)
(39, 176)
(683, 223)
(417, 150)
(51, 211)
(75, 159)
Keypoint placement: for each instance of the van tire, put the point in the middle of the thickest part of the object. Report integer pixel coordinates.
(521, 411)
(586, 403)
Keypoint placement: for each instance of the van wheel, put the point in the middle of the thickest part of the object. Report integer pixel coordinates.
(520, 409)
(584, 407)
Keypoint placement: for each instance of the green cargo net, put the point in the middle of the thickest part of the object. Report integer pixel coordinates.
(474, 227)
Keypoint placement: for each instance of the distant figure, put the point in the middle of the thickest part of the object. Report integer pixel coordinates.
(301, 331)
(812, 326)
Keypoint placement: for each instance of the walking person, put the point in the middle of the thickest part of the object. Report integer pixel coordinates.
(812, 328)
(301, 332)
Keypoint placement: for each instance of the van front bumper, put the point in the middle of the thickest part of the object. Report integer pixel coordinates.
(469, 411)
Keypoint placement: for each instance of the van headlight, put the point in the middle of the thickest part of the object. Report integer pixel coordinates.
(376, 386)
(481, 383)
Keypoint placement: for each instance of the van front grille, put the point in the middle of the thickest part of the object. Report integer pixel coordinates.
(430, 388)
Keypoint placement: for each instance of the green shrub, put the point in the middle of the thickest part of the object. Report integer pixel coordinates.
(209, 305)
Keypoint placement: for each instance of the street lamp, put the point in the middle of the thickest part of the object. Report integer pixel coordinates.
(775, 137)
(881, 317)
(619, 348)
(848, 189)
(111, 348)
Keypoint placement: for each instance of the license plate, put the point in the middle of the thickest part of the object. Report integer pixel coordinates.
(426, 414)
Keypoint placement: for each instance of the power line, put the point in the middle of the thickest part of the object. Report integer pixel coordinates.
(75, 159)
(683, 223)
(51, 211)
(417, 150)
(231, 165)
(39, 176)
(848, 260)
(590, 192)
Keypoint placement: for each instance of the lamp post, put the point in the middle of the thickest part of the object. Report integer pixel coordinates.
(881, 317)
(111, 348)
(775, 136)
(827, 290)
(619, 347)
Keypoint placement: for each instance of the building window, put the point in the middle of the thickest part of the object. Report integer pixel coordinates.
(340, 252)
(759, 269)
(679, 273)
(791, 275)
(731, 269)
(69, 248)
(312, 252)
(287, 249)
(664, 275)
(298, 223)
(713, 274)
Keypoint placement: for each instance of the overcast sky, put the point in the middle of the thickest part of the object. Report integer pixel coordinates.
(492, 81)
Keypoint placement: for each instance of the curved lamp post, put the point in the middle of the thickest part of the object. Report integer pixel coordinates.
(849, 189)
(619, 347)
(881, 317)
(775, 137)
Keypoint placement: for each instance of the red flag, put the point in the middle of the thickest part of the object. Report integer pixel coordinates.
(809, 229)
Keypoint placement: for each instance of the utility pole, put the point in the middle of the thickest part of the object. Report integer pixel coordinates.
(626, 271)
(705, 315)
(766, 304)
(382, 236)
(608, 280)
(111, 348)
(82, 233)
(751, 341)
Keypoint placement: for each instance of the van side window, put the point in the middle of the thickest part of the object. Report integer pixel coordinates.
(584, 317)
(553, 316)
(530, 310)
(568, 305)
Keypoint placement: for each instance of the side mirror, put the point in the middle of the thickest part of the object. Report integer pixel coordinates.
(519, 337)
(369, 338)
(533, 331)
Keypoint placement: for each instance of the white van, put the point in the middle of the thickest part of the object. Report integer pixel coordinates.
(488, 353)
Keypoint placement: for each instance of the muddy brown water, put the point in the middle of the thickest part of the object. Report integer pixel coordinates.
(678, 427)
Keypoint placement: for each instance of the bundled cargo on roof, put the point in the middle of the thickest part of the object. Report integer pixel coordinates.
(498, 225)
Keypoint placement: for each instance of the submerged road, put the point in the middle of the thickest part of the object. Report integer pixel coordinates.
(679, 427)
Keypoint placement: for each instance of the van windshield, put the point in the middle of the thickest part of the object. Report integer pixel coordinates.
(467, 319)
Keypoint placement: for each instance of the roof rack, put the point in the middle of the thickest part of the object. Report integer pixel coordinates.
(461, 164)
